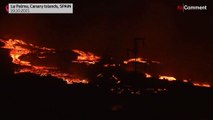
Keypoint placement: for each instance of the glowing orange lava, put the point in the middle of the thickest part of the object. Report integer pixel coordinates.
(85, 57)
(17, 51)
(19, 48)
(185, 81)
(201, 84)
(147, 75)
(140, 60)
(169, 78)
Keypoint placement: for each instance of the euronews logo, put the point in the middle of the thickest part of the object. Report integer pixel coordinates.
(184, 7)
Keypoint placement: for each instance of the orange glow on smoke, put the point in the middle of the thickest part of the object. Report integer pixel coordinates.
(19, 48)
(140, 60)
(169, 78)
(85, 57)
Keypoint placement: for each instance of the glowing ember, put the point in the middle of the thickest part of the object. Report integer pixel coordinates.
(157, 62)
(140, 60)
(99, 75)
(109, 65)
(201, 84)
(147, 75)
(169, 78)
(85, 57)
(114, 77)
(19, 48)
(185, 81)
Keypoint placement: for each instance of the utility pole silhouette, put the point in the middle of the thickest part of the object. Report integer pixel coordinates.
(135, 50)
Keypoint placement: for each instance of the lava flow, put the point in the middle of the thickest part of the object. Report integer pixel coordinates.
(201, 84)
(169, 78)
(161, 77)
(19, 48)
(139, 60)
(85, 57)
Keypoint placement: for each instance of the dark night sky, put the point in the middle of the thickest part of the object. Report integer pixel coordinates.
(181, 41)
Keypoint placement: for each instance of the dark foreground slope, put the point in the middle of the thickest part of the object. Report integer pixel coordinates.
(30, 97)
(27, 96)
